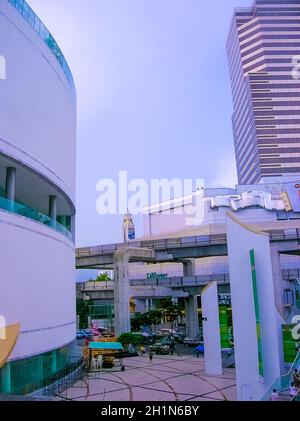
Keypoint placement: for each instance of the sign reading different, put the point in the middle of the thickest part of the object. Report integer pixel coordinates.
(157, 276)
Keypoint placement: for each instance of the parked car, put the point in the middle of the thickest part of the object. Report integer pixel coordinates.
(80, 334)
(160, 348)
(191, 341)
(83, 334)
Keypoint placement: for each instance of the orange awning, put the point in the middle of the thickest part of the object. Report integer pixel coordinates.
(7, 345)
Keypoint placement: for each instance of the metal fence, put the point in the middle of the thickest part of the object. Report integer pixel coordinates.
(55, 385)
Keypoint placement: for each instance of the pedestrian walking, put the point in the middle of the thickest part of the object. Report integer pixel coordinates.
(296, 378)
(150, 355)
(274, 395)
(293, 390)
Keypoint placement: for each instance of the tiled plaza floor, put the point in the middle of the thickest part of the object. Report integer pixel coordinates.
(166, 378)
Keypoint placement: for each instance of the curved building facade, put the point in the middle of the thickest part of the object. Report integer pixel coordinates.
(37, 193)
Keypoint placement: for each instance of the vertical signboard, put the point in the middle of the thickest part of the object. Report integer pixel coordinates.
(256, 305)
(290, 345)
(224, 328)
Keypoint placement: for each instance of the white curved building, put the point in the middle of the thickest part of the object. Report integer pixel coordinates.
(37, 191)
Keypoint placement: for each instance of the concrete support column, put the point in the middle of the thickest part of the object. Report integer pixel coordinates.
(122, 296)
(189, 267)
(53, 207)
(6, 379)
(122, 291)
(191, 303)
(73, 227)
(148, 305)
(191, 316)
(53, 362)
(10, 184)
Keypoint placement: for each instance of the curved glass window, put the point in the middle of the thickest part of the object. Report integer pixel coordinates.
(25, 376)
(23, 210)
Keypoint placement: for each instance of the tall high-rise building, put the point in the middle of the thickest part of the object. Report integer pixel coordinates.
(263, 53)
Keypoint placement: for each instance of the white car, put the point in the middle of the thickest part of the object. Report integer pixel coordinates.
(192, 341)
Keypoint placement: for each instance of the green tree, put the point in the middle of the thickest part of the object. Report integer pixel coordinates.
(155, 317)
(103, 277)
(83, 311)
(170, 311)
(130, 338)
(137, 321)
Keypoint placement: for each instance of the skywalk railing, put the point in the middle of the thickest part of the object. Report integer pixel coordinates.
(179, 242)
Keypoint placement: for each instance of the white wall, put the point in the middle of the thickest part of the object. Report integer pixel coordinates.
(211, 330)
(37, 284)
(240, 241)
(37, 104)
(37, 129)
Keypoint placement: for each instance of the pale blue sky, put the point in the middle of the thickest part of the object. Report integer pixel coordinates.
(153, 92)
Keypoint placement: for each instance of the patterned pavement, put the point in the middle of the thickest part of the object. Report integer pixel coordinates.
(166, 378)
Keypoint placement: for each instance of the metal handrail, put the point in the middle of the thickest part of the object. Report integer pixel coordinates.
(296, 396)
(282, 382)
(177, 242)
(30, 213)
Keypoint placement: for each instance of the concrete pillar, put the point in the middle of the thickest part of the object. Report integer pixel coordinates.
(6, 379)
(122, 291)
(53, 362)
(121, 294)
(53, 207)
(191, 316)
(191, 303)
(149, 304)
(10, 185)
(211, 330)
(73, 227)
(189, 267)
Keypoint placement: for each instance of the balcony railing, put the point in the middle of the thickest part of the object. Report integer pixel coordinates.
(35, 22)
(27, 212)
